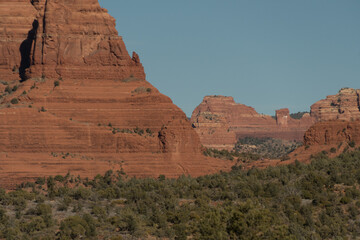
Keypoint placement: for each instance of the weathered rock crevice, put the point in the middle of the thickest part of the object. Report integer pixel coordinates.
(27, 49)
(43, 32)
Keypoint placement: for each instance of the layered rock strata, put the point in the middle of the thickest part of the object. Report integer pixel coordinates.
(332, 137)
(345, 105)
(332, 132)
(216, 131)
(218, 119)
(72, 99)
(54, 38)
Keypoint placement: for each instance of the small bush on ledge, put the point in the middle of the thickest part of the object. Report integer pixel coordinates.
(142, 90)
(14, 101)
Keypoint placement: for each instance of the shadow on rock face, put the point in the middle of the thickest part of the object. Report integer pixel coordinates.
(25, 50)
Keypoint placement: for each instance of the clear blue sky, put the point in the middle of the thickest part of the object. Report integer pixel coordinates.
(266, 54)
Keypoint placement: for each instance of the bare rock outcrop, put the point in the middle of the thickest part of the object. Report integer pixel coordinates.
(218, 119)
(67, 39)
(337, 128)
(332, 132)
(216, 131)
(345, 105)
(72, 99)
(332, 137)
(244, 121)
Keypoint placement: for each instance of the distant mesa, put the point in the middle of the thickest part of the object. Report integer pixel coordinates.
(232, 121)
(220, 121)
(69, 100)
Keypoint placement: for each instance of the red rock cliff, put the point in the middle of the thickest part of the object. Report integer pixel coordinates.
(242, 120)
(345, 105)
(332, 132)
(83, 104)
(218, 119)
(68, 39)
(333, 136)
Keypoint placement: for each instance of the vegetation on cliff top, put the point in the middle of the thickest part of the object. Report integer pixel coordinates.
(298, 115)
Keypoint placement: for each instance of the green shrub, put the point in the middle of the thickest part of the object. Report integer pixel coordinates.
(99, 212)
(8, 89)
(59, 178)
(14, 101)
(77, 227)
(3, 217)
(345, 200)
(33, 225)
(138, 131)
(142, 90)
(297, 115)
(148, 131)
(80, 193)
(40, 180)
(45, 211)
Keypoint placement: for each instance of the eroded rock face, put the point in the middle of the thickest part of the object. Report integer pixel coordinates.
(245, 121)
(282, 117)
(337, 128)
(332, 132)
(332, 137)
(220, 121)
(70, 39)
(345, 105)
(84, 105)
(216, 131)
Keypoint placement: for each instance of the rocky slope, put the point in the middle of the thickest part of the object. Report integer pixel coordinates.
(72, 99)
(219, 118)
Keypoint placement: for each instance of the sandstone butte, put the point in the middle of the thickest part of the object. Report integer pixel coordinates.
(79, 96)
(220, 121)
(332, 136)
(337, 129)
